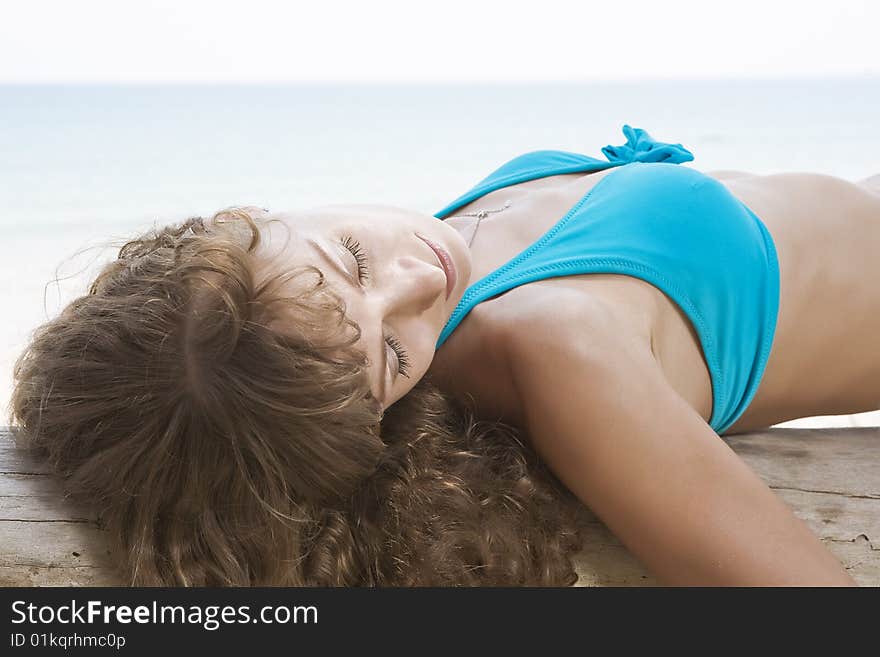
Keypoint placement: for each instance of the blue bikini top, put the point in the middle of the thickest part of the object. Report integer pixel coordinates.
(672, 226)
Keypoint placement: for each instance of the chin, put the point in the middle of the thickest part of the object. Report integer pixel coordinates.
(460, 253)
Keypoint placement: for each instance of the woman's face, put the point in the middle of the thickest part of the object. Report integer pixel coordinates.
(377, 259)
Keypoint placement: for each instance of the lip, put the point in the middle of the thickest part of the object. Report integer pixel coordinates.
(446, 264)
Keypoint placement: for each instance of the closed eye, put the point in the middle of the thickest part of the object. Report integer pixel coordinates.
(354, 247)
(402, 357)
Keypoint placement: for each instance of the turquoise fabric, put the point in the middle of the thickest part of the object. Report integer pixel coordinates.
(672, 226)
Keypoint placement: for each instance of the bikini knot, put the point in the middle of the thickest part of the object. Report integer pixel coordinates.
(641, 147)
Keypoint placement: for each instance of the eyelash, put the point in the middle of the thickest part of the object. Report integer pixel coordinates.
(402, 358)
(354, 248)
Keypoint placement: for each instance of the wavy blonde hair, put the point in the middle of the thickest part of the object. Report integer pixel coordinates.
(225, 430)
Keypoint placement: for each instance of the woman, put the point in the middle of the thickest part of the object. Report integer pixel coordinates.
(367, 395)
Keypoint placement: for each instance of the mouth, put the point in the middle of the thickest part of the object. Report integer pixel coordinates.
(445, 264)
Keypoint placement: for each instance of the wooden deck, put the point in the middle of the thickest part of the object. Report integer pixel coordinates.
(829, 477)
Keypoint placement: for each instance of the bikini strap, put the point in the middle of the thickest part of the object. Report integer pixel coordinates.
(639, 147)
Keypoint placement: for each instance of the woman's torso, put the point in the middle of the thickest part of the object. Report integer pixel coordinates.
(823, 359)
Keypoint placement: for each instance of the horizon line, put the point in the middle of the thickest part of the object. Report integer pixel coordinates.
(868, 76)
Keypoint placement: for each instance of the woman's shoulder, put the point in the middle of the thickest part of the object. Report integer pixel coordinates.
(572, 319)
(559, 339)
(579, 311)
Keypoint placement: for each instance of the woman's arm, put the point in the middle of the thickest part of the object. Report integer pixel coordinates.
(599, 411)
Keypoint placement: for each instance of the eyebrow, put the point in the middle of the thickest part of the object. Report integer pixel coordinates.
(334, 263)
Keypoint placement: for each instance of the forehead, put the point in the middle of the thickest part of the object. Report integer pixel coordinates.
(286, 234)
(286, 243)
(341, 212)
(374, 215)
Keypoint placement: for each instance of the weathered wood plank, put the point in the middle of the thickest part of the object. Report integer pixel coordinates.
(613, 565)
(843, 461)
(38, 497)
(57, 576)
(18, 460)
(829, 477)
(55, 553)
(845, 525)
(834, 517)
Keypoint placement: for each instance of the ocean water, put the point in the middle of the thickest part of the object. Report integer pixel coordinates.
(84, 166)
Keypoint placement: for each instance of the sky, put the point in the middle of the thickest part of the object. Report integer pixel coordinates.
(412, 41)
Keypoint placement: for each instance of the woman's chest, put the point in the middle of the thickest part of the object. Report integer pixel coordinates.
(536, 206)
(472, 367)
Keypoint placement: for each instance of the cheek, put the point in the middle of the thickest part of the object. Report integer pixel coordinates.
(404, 386)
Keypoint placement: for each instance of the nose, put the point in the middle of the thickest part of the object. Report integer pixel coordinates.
(413, 286)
